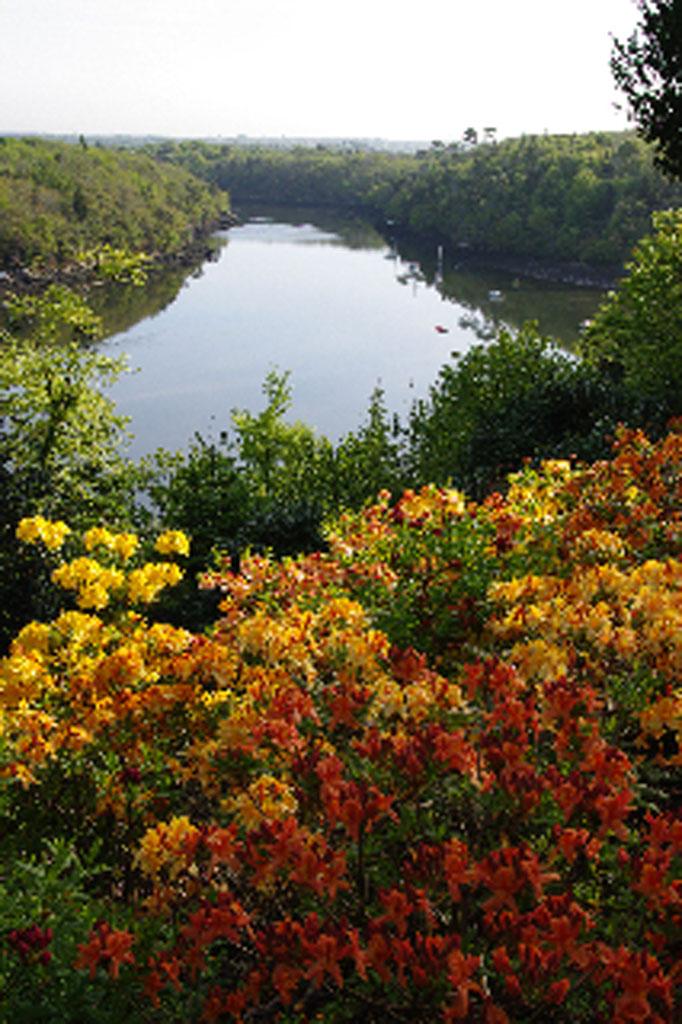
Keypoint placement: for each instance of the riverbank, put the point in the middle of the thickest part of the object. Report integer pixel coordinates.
(464, 257)
(27, 280)
(579, 275)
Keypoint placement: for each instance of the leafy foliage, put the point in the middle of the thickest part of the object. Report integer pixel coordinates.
(57, 199)
(517, 397)
(636, 335)
(580, 197)
(648, 68)
(269, 487)
(60, 436)
(61, 440)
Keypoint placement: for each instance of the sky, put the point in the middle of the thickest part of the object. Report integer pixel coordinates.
(392, 69)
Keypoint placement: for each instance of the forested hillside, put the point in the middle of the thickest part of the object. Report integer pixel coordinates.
(556, 197)
(57, 198)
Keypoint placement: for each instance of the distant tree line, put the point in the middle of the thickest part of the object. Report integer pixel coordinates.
(56, 199)
(581, 198)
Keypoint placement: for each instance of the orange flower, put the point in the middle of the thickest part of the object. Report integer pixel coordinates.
(117, 950)
(504, 883)
(398, 909)
(558, 990)
(456, 867)
(106, 947)
(89, 954)
(326, 954)
(285, 978)
(613, 809)
(460, 970)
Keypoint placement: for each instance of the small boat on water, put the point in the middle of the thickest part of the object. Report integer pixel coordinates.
(495, 294)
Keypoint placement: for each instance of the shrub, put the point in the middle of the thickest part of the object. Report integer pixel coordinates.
(306, 814)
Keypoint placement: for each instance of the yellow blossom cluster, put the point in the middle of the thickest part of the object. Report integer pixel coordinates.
(92, 581)
(122, 544)
(35, 529)
(601, 612)
(661, 717)
(97, 583)
(540, 495)
(23, 677)
(168, 845)
(88, 678)
(593, 546)
(172, 542)
(146, 583)
(432, 503)
(266, 798)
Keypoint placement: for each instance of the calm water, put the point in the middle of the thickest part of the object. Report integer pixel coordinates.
(324, 297)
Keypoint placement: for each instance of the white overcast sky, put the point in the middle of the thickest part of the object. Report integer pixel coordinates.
(423, 69)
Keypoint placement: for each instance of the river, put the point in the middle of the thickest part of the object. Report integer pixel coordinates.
(323, 296)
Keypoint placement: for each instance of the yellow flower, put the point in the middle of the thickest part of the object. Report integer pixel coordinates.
(266, 799)
(22, 678)
(146, 583)
(92, 581)
(37, 528)
(78, 630)
(125, 545)
(172, 542)
(33, 637)
(96, 537)
(170, 845)
(599, 546)
(122, 544)
(540, 659)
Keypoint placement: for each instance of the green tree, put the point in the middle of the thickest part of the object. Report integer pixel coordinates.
(56, 199)
(648, 68)
(288, 469)
(636, 334)
(517, 397)
(368, 460)
(61, 441)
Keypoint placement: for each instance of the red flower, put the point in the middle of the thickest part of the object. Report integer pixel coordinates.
(460, 970)
(558, 990)
(107, 947)
(285, 978)
(398, 909)
(613, 809)
(117, 951)
(326, 954)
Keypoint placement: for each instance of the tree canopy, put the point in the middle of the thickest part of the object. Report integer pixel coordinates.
(566, 198)
(57, 199)
(648, 68)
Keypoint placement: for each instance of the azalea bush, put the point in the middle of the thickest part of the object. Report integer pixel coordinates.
(430, 773)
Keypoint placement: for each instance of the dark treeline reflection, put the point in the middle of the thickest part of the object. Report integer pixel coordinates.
(320, 293)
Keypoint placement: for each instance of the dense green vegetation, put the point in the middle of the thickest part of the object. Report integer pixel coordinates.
(270, 484)
(562, 198)
(431, 769)
(57, 199)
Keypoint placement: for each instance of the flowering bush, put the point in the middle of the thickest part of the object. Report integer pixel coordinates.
(430, 774)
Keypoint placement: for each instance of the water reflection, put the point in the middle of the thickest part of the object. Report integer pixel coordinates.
(321, 294)
(496, 299)
(309, 225)
(492, 299)
(123, 306)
